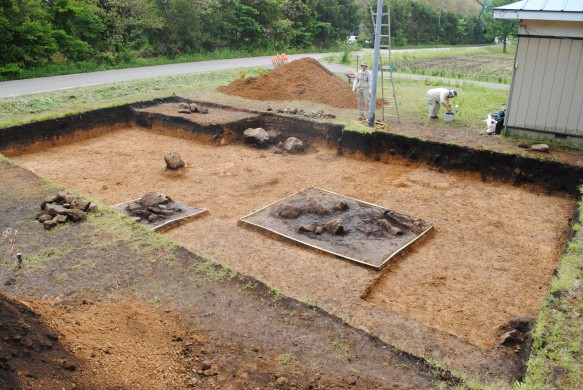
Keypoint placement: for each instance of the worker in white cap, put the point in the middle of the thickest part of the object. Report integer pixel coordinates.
(439, 96)
(362, 89)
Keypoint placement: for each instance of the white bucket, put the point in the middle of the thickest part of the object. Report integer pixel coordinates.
(448, 117)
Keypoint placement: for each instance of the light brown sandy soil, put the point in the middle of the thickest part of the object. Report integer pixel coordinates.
(490, 259)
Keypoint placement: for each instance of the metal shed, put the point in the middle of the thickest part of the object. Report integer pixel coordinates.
(546, 94)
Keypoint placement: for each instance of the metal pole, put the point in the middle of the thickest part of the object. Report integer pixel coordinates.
(375, 67)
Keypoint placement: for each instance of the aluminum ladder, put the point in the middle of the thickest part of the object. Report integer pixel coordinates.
(387, 83)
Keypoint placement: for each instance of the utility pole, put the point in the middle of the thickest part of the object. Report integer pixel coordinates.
(377, 54)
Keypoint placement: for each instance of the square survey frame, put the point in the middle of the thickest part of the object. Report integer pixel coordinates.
(187, 213)
(366, 239)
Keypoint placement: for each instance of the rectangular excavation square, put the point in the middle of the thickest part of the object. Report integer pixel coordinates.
(182, 214)
(349, 228)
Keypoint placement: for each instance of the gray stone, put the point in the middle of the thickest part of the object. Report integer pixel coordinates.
(45, 217)
(75, 215)
(80, 204)
(335, 226)
(153, 198)
(48, 225)
(196, 108)
(60, 218)
(173, 161)
(289, 211)
(54, 209)
(257, 136)
(133, 206)
(293, 145)
(540, 148)
(315, 207)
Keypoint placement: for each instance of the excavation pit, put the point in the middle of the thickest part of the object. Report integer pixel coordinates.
(498, 221)
(345, 227)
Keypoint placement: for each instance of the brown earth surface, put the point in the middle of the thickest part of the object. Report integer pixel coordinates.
(304, 79)
(102, 317)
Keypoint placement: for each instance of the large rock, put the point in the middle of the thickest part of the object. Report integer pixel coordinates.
(293, 145)
(153, 198)
(289, 211)
(335, 226)
(257, 136)
(54, 209)
(75, 215)
(173, 161)
(540, 148)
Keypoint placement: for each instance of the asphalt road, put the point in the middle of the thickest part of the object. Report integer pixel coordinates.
(45, 84)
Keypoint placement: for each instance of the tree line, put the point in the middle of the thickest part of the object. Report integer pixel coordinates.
(38, 32)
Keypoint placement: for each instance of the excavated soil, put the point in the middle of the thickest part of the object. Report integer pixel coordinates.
(305, 79)
(489, 259)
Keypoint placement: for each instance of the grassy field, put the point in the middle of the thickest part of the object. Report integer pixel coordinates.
(487, 63)
(556, 361)
(474, 102)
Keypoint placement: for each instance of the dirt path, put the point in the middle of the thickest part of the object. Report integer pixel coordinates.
(491, 258)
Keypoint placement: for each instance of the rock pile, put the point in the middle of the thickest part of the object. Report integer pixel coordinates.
(335, 226)
(152, 207)
(296, 111)
(260, 138)
(64, 207)
(189, 108)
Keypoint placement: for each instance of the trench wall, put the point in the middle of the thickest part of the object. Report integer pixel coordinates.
(549, 175)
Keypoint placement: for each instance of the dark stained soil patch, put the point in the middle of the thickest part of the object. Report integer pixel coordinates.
(346, 227)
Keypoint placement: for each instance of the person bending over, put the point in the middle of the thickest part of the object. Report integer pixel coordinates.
(437, 97)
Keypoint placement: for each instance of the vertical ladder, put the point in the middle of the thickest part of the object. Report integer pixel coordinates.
(387, 82)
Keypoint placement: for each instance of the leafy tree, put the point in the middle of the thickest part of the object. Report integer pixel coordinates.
(26, 35)
(502, 29)
(77, 27)
(187, 28)
(130, 24)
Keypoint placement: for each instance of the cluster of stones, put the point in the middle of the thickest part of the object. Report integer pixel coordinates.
(260, 138)
(152, 207)
(335, 226)
(311, 114)
(64, 207)
(189, 108)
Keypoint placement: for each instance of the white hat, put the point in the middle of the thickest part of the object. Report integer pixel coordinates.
(364, 63)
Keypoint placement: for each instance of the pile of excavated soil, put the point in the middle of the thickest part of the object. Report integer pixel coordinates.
(304, 79)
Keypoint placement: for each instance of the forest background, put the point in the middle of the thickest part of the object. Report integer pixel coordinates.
(46, 37)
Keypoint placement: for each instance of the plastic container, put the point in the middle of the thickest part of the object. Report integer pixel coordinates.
(448, 117)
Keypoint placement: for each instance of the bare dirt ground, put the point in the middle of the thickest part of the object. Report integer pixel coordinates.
(489, 260)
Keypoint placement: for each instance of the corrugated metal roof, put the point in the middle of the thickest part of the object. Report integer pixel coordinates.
(545, 6)
(566, 10)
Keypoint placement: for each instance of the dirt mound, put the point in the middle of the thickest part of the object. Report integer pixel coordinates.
(304, 79)
(122, 341)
